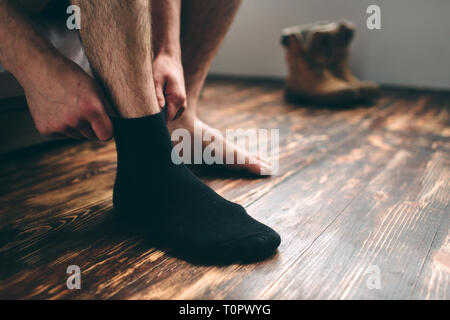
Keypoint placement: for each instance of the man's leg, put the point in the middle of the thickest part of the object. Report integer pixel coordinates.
(116, 36)
(204, 24)
(166, 200)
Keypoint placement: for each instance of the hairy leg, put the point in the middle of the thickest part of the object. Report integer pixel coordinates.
(204, 24)
(117, 39)
(152, 193)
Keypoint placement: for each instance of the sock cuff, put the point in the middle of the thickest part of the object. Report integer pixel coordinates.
(136, 128)
(133, 122)
(148, 134)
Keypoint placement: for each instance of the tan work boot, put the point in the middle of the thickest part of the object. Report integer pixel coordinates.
(339, 56)
(309, 79)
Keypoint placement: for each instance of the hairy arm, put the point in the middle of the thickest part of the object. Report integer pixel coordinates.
(62, 98)
(167, 66)
(22, 48)
(166, 26)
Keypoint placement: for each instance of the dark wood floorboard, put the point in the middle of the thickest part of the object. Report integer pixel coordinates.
(358, 188)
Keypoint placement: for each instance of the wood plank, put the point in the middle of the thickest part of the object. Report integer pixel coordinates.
(383, 226)
(333, 162)
(434, 279)
(79, 199)
(303, 207)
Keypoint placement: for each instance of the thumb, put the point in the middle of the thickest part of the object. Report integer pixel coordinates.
(175, 95)
(159, 87)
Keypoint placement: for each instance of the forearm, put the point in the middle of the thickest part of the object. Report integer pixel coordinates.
(166, 26)
(22, 48)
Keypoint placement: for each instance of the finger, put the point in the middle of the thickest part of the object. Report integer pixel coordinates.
(175, 107)
(175, 94)
(171, 111)
(180, 111)
(102, 127)
(85, 129)
(159, 87)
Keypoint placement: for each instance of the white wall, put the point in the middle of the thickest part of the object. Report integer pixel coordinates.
(412, 49)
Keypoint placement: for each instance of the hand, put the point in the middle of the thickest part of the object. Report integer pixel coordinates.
(66, 101)
(169, 84)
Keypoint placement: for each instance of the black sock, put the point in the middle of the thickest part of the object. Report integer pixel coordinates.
(173, 206)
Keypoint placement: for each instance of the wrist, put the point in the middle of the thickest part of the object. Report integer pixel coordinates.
(168, 48)
(33, 66)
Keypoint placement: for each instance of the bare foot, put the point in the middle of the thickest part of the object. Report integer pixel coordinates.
(252, 164)
(171, 92)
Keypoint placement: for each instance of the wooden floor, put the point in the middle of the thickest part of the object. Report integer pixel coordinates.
(360, 191)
